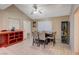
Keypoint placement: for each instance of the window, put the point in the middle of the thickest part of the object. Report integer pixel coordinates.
(45, 26)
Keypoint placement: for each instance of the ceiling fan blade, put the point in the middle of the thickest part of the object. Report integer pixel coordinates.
(35, 6)
(31, 13)
(40, 12)
(36, 9)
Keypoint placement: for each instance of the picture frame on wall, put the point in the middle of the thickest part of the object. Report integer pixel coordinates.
(34, 24)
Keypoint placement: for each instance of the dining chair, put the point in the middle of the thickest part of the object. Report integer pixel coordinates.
(42, 37)
(35, 38)
(53, 38)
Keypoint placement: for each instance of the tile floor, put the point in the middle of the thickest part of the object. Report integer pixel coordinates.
(26, 48)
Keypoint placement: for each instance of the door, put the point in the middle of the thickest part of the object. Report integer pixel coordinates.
(27, 29)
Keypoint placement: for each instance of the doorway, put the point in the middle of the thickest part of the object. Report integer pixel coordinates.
(65, 32)
(27, 29)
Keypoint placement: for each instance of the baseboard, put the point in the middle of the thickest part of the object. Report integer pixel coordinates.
(76, 53)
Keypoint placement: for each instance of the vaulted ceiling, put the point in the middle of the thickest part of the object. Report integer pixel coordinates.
(4, 6)
(48, 10)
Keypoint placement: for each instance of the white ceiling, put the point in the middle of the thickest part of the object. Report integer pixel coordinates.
(4, 6)
(48, 10)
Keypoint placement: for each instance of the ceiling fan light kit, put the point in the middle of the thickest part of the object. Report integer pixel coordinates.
(35, 9)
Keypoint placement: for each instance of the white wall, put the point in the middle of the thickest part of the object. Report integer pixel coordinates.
(13, 17)
(13, 23)
(74, 30)
(76, 33)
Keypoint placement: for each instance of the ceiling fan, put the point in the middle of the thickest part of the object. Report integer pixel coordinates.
(35, 9)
